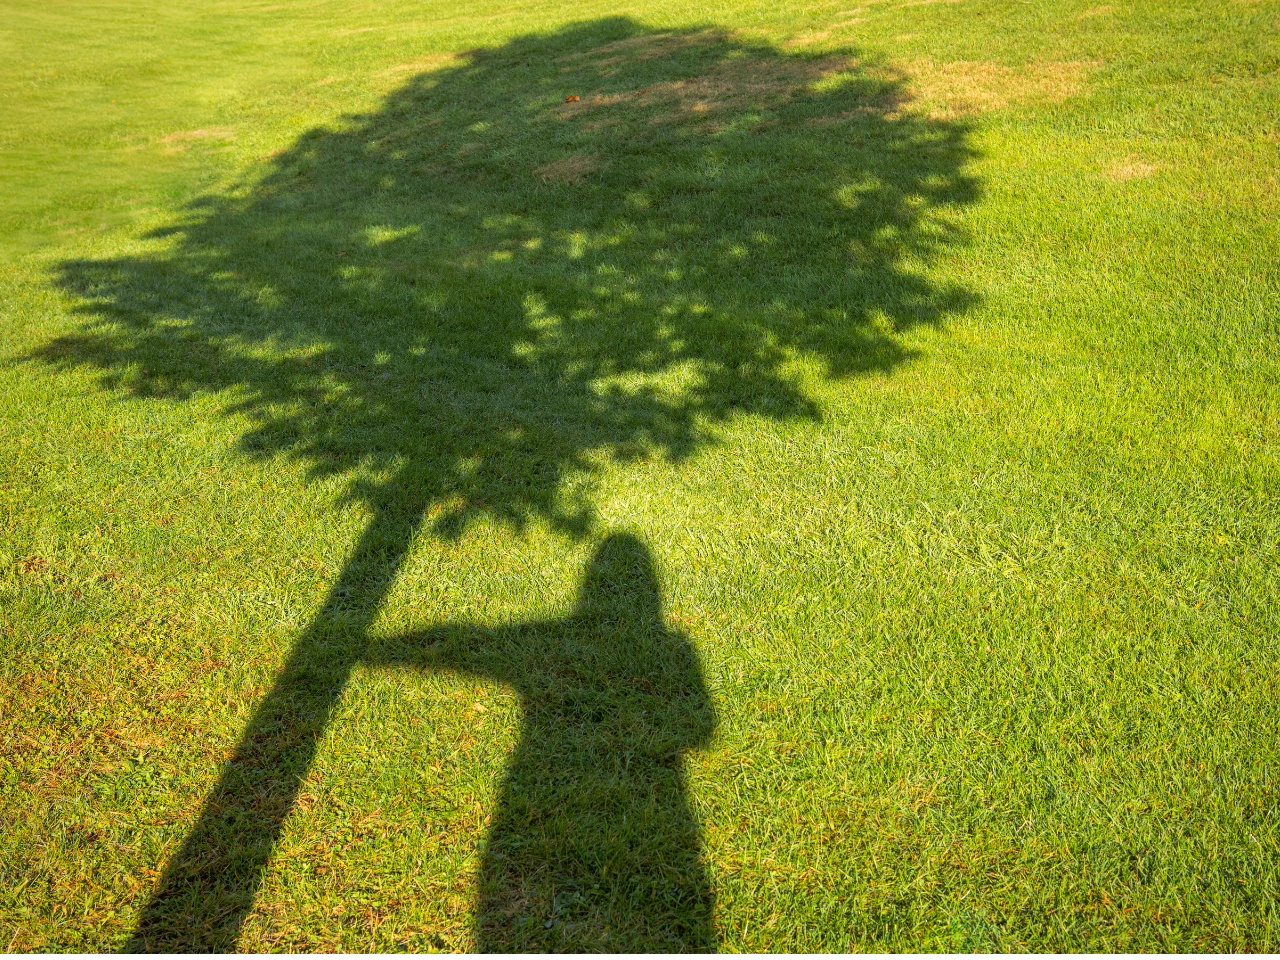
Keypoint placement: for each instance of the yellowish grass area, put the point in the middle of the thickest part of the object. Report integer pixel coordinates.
(1130, 168)
(730, 86)
(426, 64)
(939, 90)
(178, 141)
(967, 87)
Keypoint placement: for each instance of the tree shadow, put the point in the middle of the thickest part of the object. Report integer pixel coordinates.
(481, 290)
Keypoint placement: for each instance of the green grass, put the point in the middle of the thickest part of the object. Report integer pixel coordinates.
(817, 491)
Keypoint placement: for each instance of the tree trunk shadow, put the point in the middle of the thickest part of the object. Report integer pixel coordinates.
(594, 845)
(209, 885)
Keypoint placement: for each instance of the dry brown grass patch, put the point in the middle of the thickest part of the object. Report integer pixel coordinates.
(1130, 168)
(205, 133)
(646, 47)
(804, 39)
(570, 169)
(966, 87)
(731, 85)
(424, 64)
(179, 141)
(1096, 12)
(818, 36)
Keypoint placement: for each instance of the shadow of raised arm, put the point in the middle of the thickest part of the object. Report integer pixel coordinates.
(593, 844)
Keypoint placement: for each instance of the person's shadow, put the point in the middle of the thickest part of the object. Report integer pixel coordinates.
(470, 302)
(593, 845)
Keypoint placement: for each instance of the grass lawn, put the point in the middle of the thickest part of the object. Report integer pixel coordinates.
(742, 476)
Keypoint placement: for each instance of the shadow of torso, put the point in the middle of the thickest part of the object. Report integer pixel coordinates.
(593, 845)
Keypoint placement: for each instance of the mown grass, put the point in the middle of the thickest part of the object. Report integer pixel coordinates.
(815, 491)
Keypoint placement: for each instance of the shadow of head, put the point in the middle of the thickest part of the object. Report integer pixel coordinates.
(621, 586)
(483, 288)
(613, 654)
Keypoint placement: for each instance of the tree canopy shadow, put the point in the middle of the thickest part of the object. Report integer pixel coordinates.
(482, 288)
